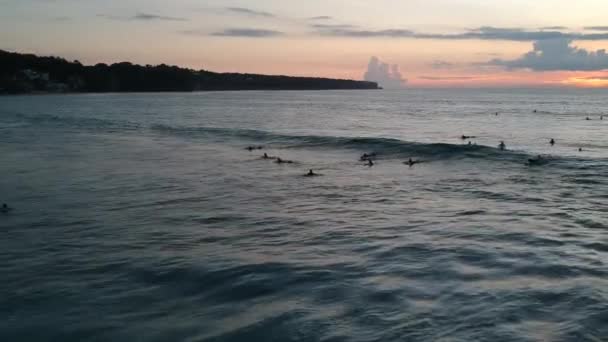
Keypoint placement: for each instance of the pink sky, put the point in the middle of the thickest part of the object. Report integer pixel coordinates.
(435, 43)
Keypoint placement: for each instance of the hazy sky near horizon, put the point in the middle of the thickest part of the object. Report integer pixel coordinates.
(417, 42)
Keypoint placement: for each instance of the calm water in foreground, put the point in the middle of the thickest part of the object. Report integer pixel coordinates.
(143, 218)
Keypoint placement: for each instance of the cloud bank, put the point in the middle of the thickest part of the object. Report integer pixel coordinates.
(332, 26)
(242, 32)
(596, 28)
(557, 54)
(387, 76)
(481, 33)
(439, 64)
(150, 17)
(140, 16)
(596, 78)
(321, 17)
(560, 28)
(250, 12)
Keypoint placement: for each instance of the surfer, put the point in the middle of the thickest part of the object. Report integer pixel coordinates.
(552, 142)
(311, 173)
(587, 118)
(412, 162)
(502, 146)
(536, 161)
(281, 161)
(535, 111)
(370, 163)
(367, 156)
(580, 149)
(5, 208)
(266, 156)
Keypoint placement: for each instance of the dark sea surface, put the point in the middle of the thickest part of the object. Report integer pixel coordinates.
(142, 217)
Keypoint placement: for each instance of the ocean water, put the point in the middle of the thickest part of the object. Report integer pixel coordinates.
(142, 217)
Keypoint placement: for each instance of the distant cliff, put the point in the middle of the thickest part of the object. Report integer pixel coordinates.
(26, 73)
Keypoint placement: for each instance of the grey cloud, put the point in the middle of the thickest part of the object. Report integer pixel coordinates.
(150, 17)
(441, 65)
(321, 17)
(559, 28)
(596, 28)
(446, 78)
(387, 76)
(246, 32)
(367, 34)
(557, 54)
(599, 78)
(142, 17)
(250, 12)
(482, 33)
(332, 26)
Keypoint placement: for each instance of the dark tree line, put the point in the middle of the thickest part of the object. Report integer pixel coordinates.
(26, 73)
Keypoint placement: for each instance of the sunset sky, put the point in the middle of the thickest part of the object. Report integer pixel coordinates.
(433, 43)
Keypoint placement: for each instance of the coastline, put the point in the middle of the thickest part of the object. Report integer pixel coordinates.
(45, 93)
(31, 74)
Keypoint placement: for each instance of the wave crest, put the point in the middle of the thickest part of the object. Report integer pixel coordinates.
(386, 148)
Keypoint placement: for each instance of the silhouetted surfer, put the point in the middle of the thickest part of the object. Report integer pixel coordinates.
(536, 161)
(250, 148)
(502, 146)
(5, 208)
(552, 142)
(311, 173)
(535, 111)
(370, 163)
(281, 161)
(587, 118)
(266, 156)
(580, 149)
(412, 162)
(366, 156)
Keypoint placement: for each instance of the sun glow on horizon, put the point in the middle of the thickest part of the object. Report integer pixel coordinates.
(587, 82)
